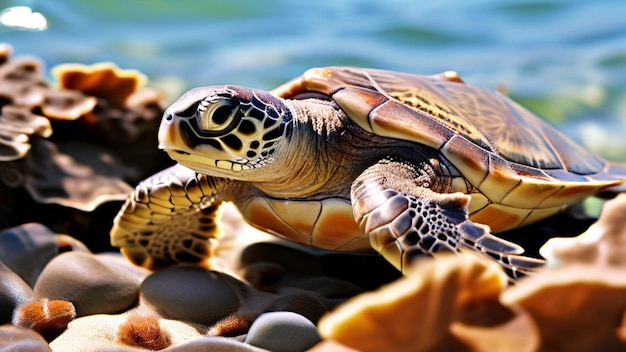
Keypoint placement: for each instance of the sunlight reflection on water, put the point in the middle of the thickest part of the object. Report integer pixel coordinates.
(23, 17)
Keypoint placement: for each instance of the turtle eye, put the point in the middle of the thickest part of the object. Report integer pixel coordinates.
(217, 115)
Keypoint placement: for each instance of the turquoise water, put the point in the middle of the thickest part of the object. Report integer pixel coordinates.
(565, 59)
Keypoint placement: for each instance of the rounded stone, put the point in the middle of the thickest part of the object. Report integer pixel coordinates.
(283, 331)
(215, 344)
(13, 292)
(191, 294)
(15, 338)
(93, 283)
(307, 304)
(26, 249)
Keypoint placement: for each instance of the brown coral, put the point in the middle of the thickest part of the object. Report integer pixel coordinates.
(17, 125)
(47, 317)
(103, 80)
(576, 308)
(415, 312)
(578, 302)
(143, 331)
(603, 244)
(104, 138)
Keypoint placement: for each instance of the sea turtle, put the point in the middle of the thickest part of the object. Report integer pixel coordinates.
(354, 159)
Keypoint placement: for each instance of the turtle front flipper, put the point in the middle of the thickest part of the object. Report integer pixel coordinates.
(392, 202)
(170, 218)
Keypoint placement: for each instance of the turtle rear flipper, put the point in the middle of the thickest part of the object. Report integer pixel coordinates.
(170, 218)
(405, 220)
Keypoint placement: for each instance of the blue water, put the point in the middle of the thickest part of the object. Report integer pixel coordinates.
(564, 59)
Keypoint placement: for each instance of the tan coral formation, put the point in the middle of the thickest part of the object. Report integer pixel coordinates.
(17, 125)
(577, 303)
(103, 80)
(602, 245)
(414, 313)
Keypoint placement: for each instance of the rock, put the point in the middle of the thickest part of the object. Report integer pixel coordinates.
(26, 249)
(94, 284)
(190, 293)
(13, 338)
(13, 292)
(283, 331)
(305, 303)
(368, 271)
(214, 344)
(322, 285)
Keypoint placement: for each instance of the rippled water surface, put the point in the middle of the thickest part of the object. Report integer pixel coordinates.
(565, 59)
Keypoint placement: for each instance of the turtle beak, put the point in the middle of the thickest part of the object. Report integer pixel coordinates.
(169, 136)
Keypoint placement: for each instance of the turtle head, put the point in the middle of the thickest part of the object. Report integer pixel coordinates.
(227, 131)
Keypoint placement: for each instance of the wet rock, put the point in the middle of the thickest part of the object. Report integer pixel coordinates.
(95, 284)
(322, 285)
(214, 344)
(14, 338)
(190, 293)
(28, 248)
(283, 331)
(367, 271)
(13, 292)
(305, 303)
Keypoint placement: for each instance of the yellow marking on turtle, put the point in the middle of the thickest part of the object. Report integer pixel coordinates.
(160, 202)
(500, 179)
(336, 228)
(155, 208)
(180, 201)
(540, 214)
(500, 217)
(194, 194)
(458, 184)
(260, 213)
(573, 193)
(530, 193)
(477, 202)
(327, 223)
(301, 216)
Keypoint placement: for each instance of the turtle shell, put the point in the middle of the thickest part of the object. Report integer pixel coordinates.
(520, 167)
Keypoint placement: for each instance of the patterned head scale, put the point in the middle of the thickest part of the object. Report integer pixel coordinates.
(230, 128)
